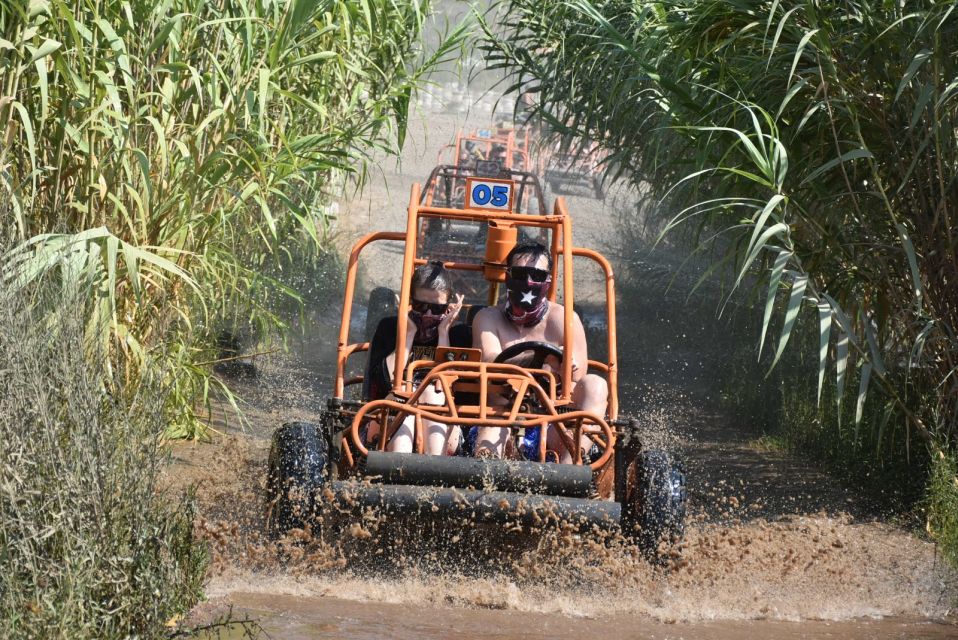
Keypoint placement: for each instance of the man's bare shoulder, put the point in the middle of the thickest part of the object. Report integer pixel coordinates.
(557, 312)
(488, 317)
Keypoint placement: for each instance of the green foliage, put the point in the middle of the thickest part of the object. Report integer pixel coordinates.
(162, 152)
(812, 143)
(886, 463)
(767, 442)
(942, 504)
(92, 547)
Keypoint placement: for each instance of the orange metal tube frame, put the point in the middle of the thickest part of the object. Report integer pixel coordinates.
(484, 373)
(458, 266)
(477, 215)
(612, 369)
(567, 298)
(560, 221)
(344, 349)
(509, 143)
(428, 364)
(409, 260)
(529, 421)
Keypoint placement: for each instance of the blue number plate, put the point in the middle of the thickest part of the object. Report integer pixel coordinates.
(489, 194)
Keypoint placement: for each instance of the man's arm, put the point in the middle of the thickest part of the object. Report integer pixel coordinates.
(580, 349)
(484, 335)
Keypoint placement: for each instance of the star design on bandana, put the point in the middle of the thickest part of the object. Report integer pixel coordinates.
(527, 297)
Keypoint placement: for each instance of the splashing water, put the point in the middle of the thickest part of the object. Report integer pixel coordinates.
(769, 539)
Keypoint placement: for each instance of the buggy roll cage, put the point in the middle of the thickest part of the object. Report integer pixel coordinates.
(501, 239)
(443, 178)
(515, 145)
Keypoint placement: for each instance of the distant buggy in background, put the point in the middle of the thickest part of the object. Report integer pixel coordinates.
(576, 166)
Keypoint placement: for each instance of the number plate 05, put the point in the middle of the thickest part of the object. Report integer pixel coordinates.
(484, 193)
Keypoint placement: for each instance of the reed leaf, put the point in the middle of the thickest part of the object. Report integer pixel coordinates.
(845, 111)
(795, 298)
(195, 141)
(824, 334)
(778, 268)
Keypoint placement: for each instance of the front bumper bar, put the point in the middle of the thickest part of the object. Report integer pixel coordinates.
(499, 507)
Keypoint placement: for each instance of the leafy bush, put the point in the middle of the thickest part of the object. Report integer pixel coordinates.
(157, 154)
(942, 504)
(812, 144)
(90, 545)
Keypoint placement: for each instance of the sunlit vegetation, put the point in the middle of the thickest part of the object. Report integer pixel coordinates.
(812, 146)
(163, 165)
(91, 545)
(165, 157)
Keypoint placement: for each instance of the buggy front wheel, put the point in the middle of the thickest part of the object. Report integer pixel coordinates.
(298, 470)
(655, 504)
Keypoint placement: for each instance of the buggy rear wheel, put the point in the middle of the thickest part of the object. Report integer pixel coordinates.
(654, 509)
(298, 469)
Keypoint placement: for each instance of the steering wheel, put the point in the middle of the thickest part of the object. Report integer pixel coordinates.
(540, 351)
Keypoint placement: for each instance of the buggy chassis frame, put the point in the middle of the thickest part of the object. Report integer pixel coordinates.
(554, 404)
(514, 143)
(311, 467)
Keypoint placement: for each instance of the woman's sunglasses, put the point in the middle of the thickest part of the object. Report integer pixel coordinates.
(530, 273)
(422, 307)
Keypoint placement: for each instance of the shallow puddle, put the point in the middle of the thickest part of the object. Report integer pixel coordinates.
(294, 617)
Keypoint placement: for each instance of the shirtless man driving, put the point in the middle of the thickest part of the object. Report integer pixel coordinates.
(526, 315)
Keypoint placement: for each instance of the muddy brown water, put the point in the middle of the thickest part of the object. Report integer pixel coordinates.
(295, 618)
(775, 548)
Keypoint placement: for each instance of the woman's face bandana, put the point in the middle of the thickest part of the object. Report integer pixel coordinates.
(527, 289)
(427, 326)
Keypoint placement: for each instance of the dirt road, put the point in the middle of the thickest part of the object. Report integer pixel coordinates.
(776, 548)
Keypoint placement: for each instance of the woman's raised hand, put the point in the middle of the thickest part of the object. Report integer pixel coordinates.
(451, 314)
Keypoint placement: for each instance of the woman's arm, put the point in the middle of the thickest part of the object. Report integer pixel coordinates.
(448, 319)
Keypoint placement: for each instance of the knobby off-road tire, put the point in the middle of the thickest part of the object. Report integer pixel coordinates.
(654, 511)
(298, 471)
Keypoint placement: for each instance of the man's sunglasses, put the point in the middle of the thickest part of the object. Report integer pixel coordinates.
(422, 307)
(530, 273)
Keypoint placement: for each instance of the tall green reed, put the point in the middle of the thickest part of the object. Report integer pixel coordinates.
(811, 143)
(156, 154)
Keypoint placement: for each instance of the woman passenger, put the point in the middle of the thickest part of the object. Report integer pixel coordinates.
(431, 324)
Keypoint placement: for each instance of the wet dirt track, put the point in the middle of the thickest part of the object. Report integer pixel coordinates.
(298, 618)
(771, 552)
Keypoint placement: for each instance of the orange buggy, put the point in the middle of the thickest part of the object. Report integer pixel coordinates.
(487, 151)
(310, 465)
